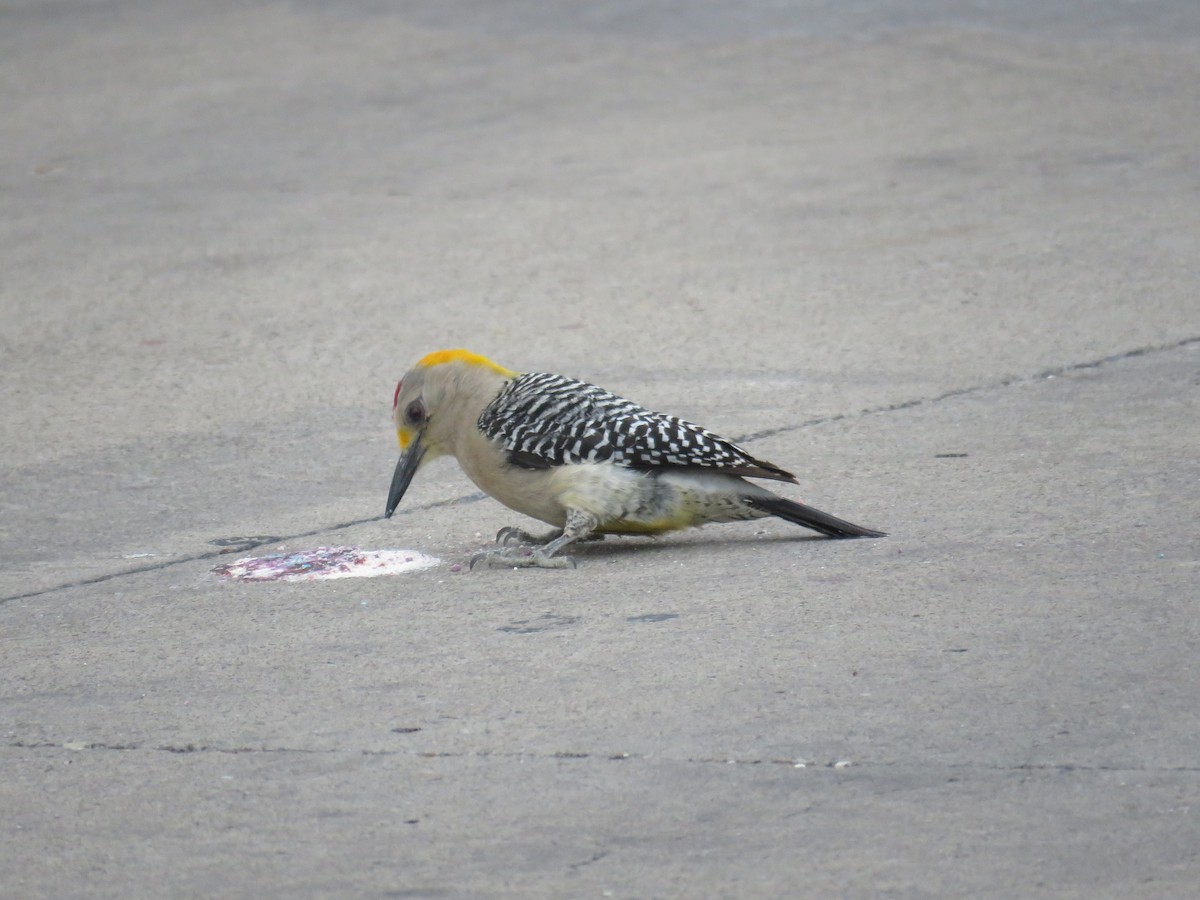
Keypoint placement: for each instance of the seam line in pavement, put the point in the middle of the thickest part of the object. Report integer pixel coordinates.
(841, 765)
(758, 435)
(240, 548)
(978, 388)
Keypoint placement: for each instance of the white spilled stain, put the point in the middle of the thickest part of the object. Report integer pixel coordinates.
(326, 562)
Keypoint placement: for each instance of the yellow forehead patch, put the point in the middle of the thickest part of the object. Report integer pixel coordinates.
(440, 357)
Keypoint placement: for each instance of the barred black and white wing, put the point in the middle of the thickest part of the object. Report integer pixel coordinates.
(550, 420)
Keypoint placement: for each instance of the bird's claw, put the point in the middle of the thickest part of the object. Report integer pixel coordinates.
(521, 558)
(510, 536)
(543, 561)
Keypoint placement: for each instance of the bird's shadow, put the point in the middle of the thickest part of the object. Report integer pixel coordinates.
(641, 544)
(614, 545)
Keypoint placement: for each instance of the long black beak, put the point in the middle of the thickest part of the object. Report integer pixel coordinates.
(406, 468)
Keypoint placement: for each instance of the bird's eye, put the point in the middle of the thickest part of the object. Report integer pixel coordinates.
(415, 414)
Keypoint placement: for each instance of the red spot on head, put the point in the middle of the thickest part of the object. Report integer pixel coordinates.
(396, 396)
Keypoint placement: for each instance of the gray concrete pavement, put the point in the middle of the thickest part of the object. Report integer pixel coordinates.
(942, 263)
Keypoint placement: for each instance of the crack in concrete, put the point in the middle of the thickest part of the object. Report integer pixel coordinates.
(794, 763)
(747, 438)
(595, 857)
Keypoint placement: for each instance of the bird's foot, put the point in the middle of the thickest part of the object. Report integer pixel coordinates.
(521, 558)
(510, 536)
(518, 537)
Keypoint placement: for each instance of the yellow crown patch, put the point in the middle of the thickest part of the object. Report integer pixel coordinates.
(440, 357)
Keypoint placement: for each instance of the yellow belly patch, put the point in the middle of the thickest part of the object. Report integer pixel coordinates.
(656, 526)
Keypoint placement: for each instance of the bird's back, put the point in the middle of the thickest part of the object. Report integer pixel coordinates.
(545, 420)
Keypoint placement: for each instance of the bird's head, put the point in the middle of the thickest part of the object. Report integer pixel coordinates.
(433, 404)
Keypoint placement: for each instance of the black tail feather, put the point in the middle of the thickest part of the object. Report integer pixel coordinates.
(811, 517)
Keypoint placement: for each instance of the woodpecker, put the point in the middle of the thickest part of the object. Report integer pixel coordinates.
(579, 458)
